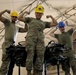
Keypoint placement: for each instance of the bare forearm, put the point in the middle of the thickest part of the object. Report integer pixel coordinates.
(2, 19)
(21, 16)
(53, 20)
(52, 32)
(2, 12)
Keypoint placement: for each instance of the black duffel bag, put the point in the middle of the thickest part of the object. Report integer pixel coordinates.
(18, 54)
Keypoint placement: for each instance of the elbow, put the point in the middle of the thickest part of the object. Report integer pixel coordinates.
(55, 24)
(19, 18)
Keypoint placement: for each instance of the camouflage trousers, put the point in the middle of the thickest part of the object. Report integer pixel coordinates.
(5, 60)
(35, 54)
(4, 65)
(71, 64)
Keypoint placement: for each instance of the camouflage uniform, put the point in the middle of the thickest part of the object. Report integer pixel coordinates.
(65, 38)
(35, 44)
(10, 32)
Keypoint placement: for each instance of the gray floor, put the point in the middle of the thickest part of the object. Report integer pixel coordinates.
(52, 70)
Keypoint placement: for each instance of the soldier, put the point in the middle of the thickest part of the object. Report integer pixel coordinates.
(65, 38)
(10, 33)
(35, 39)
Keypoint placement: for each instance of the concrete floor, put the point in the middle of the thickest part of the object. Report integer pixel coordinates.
(23, 72)
(52, 70)
(49, 72)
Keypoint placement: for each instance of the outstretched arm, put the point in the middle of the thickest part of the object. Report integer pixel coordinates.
(2, 19)
(54, 22)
